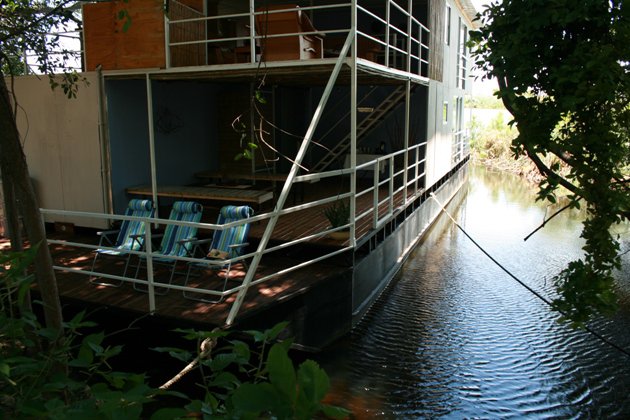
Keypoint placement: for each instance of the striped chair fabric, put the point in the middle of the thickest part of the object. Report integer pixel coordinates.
(182, 211)
(222, 239)
(231, 240)
(177, 240)
(127, 238)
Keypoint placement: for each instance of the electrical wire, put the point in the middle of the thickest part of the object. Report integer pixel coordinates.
(530, 289)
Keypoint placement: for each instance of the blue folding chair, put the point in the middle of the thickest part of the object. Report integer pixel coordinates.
(177, 240)
(225, 246)
(125, 237)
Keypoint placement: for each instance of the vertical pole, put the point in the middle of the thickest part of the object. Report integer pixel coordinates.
(167, 41)
(409, 34)
(205, 32)
(390, 206)
(152, 143)
(353, 123)
(415, 176)
(148, 247)
(106, 166)
(375, 197)
(406, 137)
(387, 16)
(252, 32)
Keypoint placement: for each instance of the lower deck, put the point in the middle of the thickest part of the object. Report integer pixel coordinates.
(319, 299)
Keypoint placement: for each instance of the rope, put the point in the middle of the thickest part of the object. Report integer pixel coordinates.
(531, 290)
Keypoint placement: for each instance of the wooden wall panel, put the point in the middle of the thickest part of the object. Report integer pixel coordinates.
(192, 54)
(141, 46)
(436, 41)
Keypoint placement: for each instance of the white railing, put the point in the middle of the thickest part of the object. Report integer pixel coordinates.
(460, 145)
(396, 39)
(69, 54)
(396, 194)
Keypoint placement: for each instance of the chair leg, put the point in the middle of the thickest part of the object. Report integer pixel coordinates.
(205, 300)
(93, 279)
(140, 288)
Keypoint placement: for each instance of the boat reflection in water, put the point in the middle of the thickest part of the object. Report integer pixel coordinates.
(454, 335)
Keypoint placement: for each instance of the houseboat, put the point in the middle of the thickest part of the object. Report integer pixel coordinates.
(307, 118)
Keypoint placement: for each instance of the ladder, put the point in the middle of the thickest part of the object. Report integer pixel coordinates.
(363, 127)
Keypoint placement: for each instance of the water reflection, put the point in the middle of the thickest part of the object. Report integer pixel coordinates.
(455, 336)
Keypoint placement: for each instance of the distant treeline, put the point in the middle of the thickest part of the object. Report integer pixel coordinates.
(484, 102)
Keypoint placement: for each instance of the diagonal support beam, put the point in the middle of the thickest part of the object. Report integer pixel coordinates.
(290, 178)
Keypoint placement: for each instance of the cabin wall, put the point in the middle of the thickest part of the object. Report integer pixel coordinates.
(108, 44)
(444, 95)
(62, 147)
(185, 133)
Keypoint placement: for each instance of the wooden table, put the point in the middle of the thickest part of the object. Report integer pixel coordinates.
(260, 176)
(234, 195)
(277, 180)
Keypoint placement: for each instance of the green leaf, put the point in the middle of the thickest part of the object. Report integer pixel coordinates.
(281, 372)
(169, 414)
(127, 24)
(334, 412)
(254, 398)
(313, 381)
(5, 369)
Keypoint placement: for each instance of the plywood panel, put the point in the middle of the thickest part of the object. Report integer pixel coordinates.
(191, 54)
(61, 143)
(436, 41)
(107, 44)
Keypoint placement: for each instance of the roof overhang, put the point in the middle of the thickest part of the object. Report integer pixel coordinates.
(469, 11)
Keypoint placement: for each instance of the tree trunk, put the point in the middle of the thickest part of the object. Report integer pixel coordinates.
(15, 172)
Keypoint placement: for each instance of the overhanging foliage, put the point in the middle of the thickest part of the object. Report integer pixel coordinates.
(564, 74)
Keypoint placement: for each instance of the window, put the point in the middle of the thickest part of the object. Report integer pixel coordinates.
(445, 112)
(462, 55)
(447, 26)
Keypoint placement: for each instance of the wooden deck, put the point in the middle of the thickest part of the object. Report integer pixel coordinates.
(261, 297)
(76, 287)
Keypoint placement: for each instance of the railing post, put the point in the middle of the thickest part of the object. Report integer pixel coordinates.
(409, 32)
(376, 172)
(148, 247)
(406, 136)
(391, 184)
(387, 14)
(353, 124)
(167, 42)
(415, 177)
(252, 32)
(151, 143)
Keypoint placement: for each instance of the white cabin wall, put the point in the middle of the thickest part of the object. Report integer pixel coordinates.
(440, 131)
(62, 147)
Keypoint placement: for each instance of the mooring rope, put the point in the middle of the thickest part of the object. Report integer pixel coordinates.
(530, 289)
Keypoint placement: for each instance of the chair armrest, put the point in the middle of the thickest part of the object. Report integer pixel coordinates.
(195, 241)
(105, 234)
(235, 246)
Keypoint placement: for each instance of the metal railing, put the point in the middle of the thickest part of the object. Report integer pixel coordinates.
(396, 39)
(460, 145)
(69, 54)
(388, 194)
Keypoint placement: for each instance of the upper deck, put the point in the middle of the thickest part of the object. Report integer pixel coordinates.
(393, 37)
